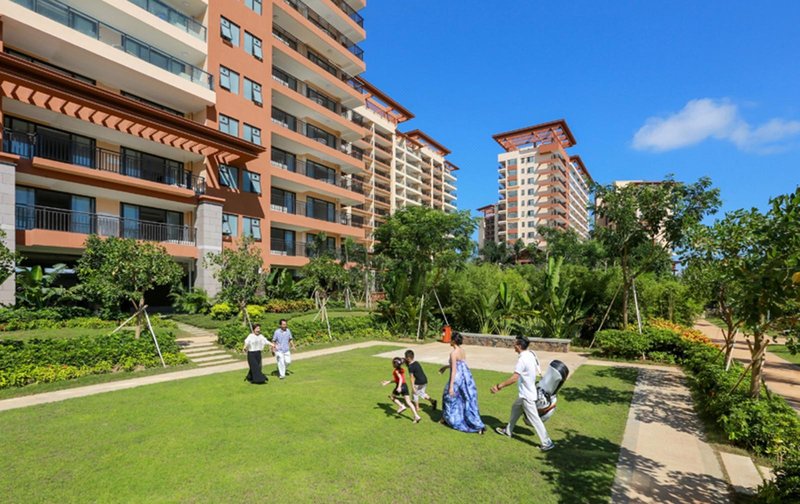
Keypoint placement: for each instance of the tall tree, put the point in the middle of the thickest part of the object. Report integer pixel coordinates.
(568, 245)
(122, 269)
(420, 244)
(648, 222)
(239, 272)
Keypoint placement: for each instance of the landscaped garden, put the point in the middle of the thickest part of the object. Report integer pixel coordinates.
(327, 433)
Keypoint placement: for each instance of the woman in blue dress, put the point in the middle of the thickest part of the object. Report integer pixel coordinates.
(460, 397)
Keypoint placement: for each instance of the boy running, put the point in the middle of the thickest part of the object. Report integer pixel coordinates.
(419, 382)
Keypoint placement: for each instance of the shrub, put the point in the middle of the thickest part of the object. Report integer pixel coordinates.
(255, 311)
(687, 333)
(232, 335)
(222, 311)
(786, 485)
(191, 301)
(289, 305)
(625, 344)
(767, 426)
(42, 361)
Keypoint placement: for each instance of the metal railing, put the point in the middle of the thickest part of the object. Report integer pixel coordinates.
(351, 13)
(89, 156)
(291, 248)
(315, 210)
(92, 27)
(173, 17)
(322, 173)
(71, 221)
(308, 13)
(314, 132)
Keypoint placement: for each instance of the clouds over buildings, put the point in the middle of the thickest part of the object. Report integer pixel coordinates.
(706, 118)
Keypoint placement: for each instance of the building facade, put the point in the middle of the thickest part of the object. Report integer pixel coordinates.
(540, 185)
(190, 123)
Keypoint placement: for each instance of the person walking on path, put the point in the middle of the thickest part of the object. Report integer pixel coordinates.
(282, 340)
(525, 376)
(400, 389)
(254, 344)
(460, 396)
(419, 381)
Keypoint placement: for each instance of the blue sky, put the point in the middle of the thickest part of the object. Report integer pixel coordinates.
(647, 87)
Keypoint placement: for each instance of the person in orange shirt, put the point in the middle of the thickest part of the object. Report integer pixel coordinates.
(400, 388)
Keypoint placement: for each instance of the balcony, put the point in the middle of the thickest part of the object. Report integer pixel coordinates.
(319, 172)
(330, 30)
(319, 135)
(87, 155)
(122, 41)
(71, 221)
(300, 249)
(173, 17)
(316, 211)
(351, 13)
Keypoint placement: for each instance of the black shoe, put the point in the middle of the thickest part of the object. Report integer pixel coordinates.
(433, 401)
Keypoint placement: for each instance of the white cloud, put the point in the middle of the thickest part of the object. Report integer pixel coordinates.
(707, 118)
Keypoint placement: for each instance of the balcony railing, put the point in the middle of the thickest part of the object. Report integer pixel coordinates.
(297, 85)
(173, 17)
(351, 13)
(315, 211)
(308, 13)
(81, 154)
(71, 221)
(321, 173)
(300, 249)
(79, 21)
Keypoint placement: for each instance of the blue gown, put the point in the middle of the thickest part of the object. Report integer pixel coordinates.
(461, 410)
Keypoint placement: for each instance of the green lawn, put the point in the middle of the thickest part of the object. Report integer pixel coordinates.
(783, 352)
(327, 433)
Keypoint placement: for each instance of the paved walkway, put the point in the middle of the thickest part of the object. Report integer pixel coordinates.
(201, 347)
(782, 377)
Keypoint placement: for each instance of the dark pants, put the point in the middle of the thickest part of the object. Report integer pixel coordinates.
(254, 361)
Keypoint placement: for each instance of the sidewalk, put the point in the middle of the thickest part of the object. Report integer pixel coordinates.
(782, 377)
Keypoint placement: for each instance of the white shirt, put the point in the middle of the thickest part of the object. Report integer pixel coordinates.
(255, 343)
(527, 369)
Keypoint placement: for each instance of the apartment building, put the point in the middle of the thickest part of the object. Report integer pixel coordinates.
(540, 185)
(402, 168)
(190, 123)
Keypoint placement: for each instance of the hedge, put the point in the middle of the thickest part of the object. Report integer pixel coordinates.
(42, 361)
(307, 332)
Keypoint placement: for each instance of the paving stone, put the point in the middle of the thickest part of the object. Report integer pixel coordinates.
(742, 472)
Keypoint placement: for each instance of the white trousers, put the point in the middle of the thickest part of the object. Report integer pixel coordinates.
(284, 359)
(532, 414)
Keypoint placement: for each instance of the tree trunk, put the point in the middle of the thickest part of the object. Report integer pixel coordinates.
(625, 294)
(139, 317)
(757, 370)
(728, 354)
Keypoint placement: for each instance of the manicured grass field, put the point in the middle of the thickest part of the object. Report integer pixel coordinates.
(327, 433)
(783, 352)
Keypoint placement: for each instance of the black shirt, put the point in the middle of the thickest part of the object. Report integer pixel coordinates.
(419, 375)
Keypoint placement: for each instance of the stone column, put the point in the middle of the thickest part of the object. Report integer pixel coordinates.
(208, 224)
(7, 211)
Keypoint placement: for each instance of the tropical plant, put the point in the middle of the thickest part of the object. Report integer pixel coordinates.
(36, 288)
(8, 258)
(239, 272)
(116, 269)
(561, 315)
(190, 301)
(280, 284)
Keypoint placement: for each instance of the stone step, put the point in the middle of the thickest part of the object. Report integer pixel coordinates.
(213, 357)
(742, 472)
(216, 363)
(195, 355)
(204, 348)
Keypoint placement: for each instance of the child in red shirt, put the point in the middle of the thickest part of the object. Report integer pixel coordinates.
(401, 388)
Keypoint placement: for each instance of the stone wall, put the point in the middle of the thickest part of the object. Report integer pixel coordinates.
(493, 340)
(209, 240)
(7, 224)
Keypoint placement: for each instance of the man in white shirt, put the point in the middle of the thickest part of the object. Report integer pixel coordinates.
(254, 344)
(283, 343)
(525, 376)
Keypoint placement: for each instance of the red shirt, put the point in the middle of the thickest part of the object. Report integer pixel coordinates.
(398, 375)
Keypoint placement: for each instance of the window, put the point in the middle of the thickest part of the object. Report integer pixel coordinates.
(228, 125)
(321, 99)
(252, 134)
(283, 159)
(230, 225)
(282, 241)
(530, 202)
(252, 45)
(229, 31)
(228, 79)
(229, 176)
(253, 5)
(283, 201)
(531, 180)
(512, 162)
(531, 191)
(251, 227)
(252, 91)
(251, 182)
(321, 209)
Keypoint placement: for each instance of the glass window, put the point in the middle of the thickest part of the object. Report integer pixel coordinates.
(228, 125)
(251, 182)
(254, 5)
(252, 134)
(229, 176)
(230, 225)
(251, 227)
(229, 31)
(228, 79)
(283, 159)
(252, 45)
(252, 91)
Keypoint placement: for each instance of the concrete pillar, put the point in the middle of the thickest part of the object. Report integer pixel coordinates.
(209, 240)
(7, 213)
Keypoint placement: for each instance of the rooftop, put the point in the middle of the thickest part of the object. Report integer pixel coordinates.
(545, 133)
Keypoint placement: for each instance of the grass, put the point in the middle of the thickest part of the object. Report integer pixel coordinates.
(327, 433)
(783, 352)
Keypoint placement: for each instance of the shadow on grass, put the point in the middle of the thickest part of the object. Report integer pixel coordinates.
(627, 375)
(596, 395)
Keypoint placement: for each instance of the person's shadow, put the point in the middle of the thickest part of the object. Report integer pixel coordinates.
(520, 430)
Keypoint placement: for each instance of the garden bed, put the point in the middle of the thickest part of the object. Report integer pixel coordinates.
(494, 340)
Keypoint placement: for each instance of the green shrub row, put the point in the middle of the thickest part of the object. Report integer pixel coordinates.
(37, 360)
(23, 319)
(659, 345)
(307, 332)
(225, 311)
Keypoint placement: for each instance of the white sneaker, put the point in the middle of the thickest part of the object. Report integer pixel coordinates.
(502, 431)
(549, 446)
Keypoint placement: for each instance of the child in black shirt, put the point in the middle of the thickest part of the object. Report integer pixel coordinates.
(419, 381)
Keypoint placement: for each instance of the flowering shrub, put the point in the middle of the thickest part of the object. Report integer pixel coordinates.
(289, 305)
(686, 333)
